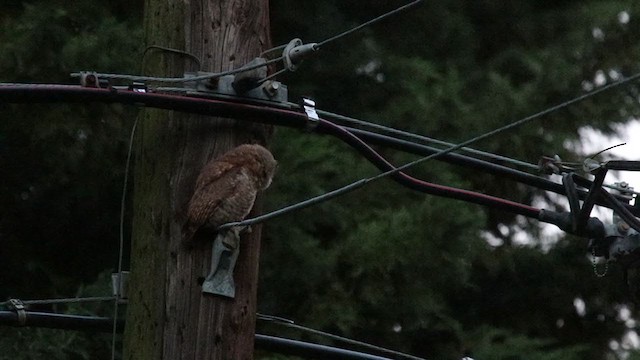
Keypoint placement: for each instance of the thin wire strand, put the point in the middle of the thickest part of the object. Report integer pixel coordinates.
(170, 50)
(372, 21)
(182, 79)
(121, 245)
(340, 35)
(263, 80)
(63, 300)
(362, 182)
(273, 49)
(293, 325)
(423, 139)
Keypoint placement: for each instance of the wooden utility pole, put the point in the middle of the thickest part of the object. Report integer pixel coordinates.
(168, 316)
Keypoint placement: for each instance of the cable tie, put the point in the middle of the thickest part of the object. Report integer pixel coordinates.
(18, 306)
(138, 87)
(309, 107)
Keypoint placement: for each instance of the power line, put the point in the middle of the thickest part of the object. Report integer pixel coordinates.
(406, 180)
(362, 182)
(370, 22)
(341, 119)
(293, 325)
(421, 139)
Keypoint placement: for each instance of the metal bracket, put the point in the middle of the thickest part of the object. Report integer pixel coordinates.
(18, 306)
(120, 285)
(90, 79)
(224, 254)
(272, 91)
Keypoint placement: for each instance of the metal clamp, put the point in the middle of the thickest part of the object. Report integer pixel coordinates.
(224, 255)
(92, 80)
(271, 91)
(295, 51)
(89, 79)
(120, 285)
(309, 107)
(18, 306)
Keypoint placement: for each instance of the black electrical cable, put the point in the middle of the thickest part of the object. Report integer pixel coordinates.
(475, 163)
(620, 210)
(350, 123)
(102, 324)
(192, 105)
(572, 197)
(19, 93)
(590, 201)
(365, 150)
(421, 185)
(380, 350)
(257, 112)
(308, 350)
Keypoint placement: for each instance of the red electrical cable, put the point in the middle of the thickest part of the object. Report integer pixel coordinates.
(421, 185)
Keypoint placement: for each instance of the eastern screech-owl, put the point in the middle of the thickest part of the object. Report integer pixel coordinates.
(227, 187)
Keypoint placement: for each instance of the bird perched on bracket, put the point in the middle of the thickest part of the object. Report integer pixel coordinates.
(227, 187)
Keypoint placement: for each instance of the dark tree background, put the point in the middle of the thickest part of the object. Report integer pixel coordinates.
(383, 264)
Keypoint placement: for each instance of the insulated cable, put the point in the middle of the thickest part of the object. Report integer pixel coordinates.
(389, 170)
(262, 342)
(248, 109)
(349, 121)
(621, 210)
(293, 325)
(519, 208)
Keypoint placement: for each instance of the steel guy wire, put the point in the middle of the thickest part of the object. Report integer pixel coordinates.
(362, 182)
(189, 55)
(370, 22)
(291, 324)
(182, 79)
(244, 68)
(121, 242)
(75, 300)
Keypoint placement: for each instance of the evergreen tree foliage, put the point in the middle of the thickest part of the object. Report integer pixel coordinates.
(383, 264)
